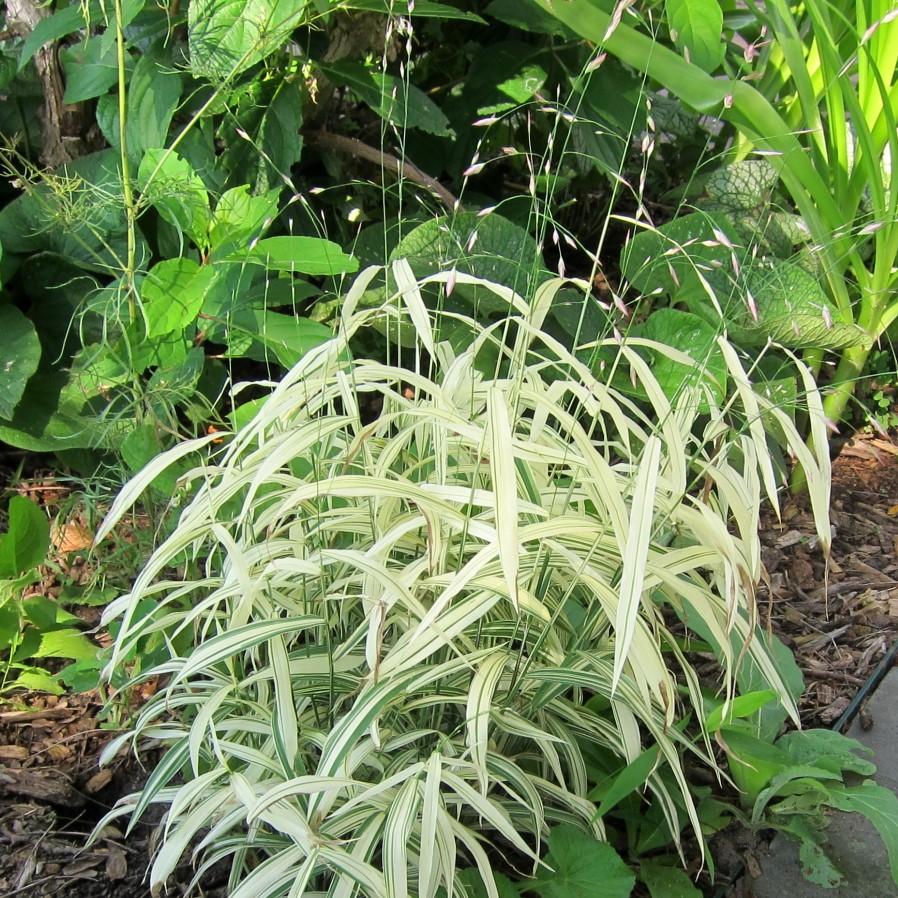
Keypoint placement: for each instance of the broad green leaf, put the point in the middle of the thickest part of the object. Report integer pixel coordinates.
(170, 184)
(270, 115)
(698, 258)
(36, 680)
(665, 881)
(140, 447)
(264, 336)
(49, 420)
(302, 255)
(491, 248)
(41, 611)
(688, 257)
(753, 762)
(880, 806)
(10, 625)
(154, 90)
(696, 27)
(628, 781)
(21, 357)
(176, 380)
(401, 104)
(60, 24)
(802, 781)
(476, 889)
(741, 706)
(584, 867)
(742, 186)
(26, 541)
(827, 749)
(750, 678)
(519, 88)
(239, 218)
(172, 295)
(698, 339)
(66, 644)
(527, 17)
(90, 70)
(228, 36)
(82, 676)
(816, 866)
(793, 309)
(81, 217)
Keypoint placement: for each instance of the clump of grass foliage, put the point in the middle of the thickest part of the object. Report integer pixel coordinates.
(417, 592)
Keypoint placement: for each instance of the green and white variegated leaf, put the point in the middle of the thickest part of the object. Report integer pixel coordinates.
(480, 703)
(635, 554)
(505, 484)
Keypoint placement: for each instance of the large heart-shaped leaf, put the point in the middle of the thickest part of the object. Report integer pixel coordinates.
(172, 294)
(792, 309)
(665, 881)
(698, 339)
(81, 218)
(490, 247)
(228, 36)
(583, 868)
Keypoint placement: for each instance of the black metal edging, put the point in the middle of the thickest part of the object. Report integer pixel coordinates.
(845, 719)
(865, 691)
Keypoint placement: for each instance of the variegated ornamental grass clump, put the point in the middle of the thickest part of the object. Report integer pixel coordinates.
(404, 582)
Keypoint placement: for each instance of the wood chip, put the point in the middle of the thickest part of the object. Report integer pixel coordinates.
(42, 784)
(39, 714)
(116, 864)
(13, 753)
(893, 602)
(835, 709)
(98, 781)
(790, 538)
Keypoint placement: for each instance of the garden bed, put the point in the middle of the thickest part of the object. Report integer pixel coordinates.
(838, 623)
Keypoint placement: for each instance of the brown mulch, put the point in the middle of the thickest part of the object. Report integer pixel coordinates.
(839, 623)
(51, 794)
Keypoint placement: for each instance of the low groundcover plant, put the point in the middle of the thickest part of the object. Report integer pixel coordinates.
(418, 595)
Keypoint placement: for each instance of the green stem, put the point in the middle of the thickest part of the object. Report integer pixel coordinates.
(848, 371)
(127, 193)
